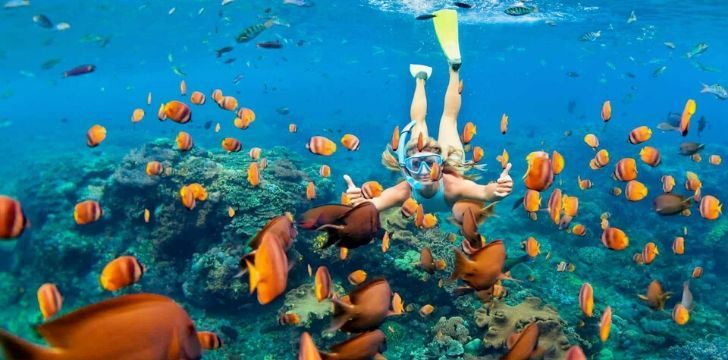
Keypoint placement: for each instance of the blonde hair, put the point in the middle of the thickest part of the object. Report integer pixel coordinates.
(453, 165)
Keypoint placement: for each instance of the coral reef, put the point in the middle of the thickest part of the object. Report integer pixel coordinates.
(500, 320)
(302, 301)
(450, 337)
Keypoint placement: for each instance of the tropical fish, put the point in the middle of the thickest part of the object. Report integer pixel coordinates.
(219, 52)
(93, 332)
(209, 340)
(289, 319)
(320, 145)
(425, 17)
(601, 159)
(50, 300)
(655, 296)
(229, 103)
(523, 345)
(426, 262)
(532, 247)
(640, 135)
(578, 230)
(504, 124)
(503, 159)
(625, 170)
(635, 190)
(478, 154)
(371, 189)
(697, 272)
(184, 141)
(346, 226)
(555, 205)
(591, 36)
(649, 252)
(12, 218)
(43, 21)
(520, 10)
(275, 44)
(322, 284)
(540, 174)
(357, 277)
(426, 310)
(584, 184)
(690, 148)
(668, 183)
(367, 308)
(700, 48)
(281, 228)
(606, 111)
(650, 156)
(715, 160)
(481, 269)
(605, 324)
(687, 114)
(710, 207)
(586, 299)
(11, 4)
(367, 345)
(254, 30)
(671, 204)
(176, 111)
(716, 90)
(268, 270)
(575, 353)
(95, 135)
(80, 70)
(557, 162)
(591, 141)
(469, 132)
(121, 272)
(253, 174)
(659, 71)
(87, 212)
(614, 238)
(197, 98)
(632, 17)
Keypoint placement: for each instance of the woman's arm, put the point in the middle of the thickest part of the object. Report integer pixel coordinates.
(491, 192)
(391, 197)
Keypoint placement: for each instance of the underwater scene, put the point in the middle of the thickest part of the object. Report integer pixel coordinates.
(363, 179)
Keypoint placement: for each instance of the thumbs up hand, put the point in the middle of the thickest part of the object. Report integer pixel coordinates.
(353, 192)
(504, 185)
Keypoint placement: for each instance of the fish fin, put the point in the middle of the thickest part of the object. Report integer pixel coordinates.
(461, 264)
(642, 297)
(342, 313)
(511, 340)
(16, 348)
(254, 276)
(705, 88)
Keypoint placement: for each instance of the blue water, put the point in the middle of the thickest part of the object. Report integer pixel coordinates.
(344, 69)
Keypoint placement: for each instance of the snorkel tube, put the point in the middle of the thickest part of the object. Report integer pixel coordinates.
(402, 155)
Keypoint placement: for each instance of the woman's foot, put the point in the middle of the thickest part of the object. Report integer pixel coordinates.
(420, 71)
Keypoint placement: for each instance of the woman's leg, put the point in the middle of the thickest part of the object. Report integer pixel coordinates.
(418, 110)
(448, 136)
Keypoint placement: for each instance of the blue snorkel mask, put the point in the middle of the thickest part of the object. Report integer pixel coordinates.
(418, 164)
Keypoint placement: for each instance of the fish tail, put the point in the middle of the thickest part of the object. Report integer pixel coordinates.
(16, 348)
(461, 262)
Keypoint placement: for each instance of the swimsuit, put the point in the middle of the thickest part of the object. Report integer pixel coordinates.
(436, 203)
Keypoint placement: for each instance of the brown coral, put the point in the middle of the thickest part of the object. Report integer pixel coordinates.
(501, 320)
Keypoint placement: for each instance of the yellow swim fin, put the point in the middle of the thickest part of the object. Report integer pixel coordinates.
(446, 28)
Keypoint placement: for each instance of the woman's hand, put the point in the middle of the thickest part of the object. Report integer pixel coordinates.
(353, 192)
(504, 185)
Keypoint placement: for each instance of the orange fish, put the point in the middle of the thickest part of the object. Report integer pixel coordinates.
(395, 139)
(307, 348)
(591, 141)
(503, 158)
(320, 145)
(635, 191)
(468, 132)
(409, 207)
(605, 324)
(147, 215)
(87, 212)
(137, 115)
(650, 156)
(397, 304)
(184, 141)
(343, 253)
(440, 264)
(649, 253)
(197, 98)
(578, 230)
(385, 242)
(697, 272)
(435, 172)
(655, 296)
(322, 283)
(680, 314)
(94, 332)
(540, 173)
(289, 319)
(575, 353)
(715, 160)
(693, 182)
(420, 142)
(523, 345)
(350, 142)
(231, 211)
(640, 135)
(254, 153)
(229, 103)
(426, 310)
(586, 299)
(187, 197)
(429, 221)
(268, 270)
(625, 170)
(584, 184)
(532, 201)
(371, 189)
(696, 157)
(614, 238)
(241, 123)
(209, 340)
(345, 200)
(419, 216)
(357, 277)
(554, 205)
(253, 174)
(687, 113)
(198, 191)
(154, 168)
(325, 171)
(558, 162)
(532, 247)
(310, 191)
(606, 111)
(504, 124)
(95, 135)
(50, 300)
(176, 111)
(668, 182)
(678, 245)
(121, 272)
(483, 268)
(292, 128)
(601, 158)
(246, 114)
(710, 207)
(12, 218)
(231, 145)
(367, 308)
(217, 96)
(570, 205)
(478, 154)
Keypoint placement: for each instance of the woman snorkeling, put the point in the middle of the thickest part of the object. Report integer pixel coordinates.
(437, 191)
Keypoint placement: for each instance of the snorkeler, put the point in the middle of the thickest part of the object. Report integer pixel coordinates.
(440, 192)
